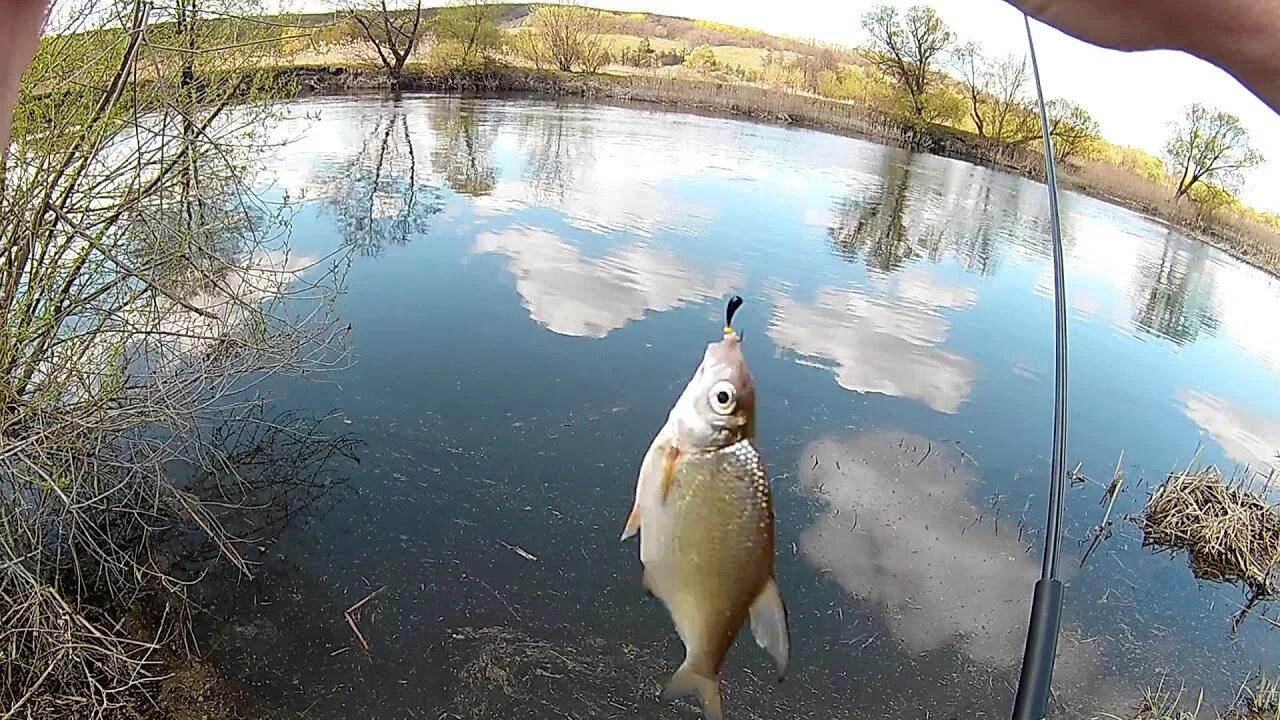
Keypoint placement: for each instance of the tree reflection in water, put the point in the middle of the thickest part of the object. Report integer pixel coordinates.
(379, 196)
(1173, 292)
(558, 150)
(874, 229)
(464, 151)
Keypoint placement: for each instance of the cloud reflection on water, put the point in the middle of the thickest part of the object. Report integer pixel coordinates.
(928, 556)
(886, 342)
(1244, 435)
(582, 296)
(917, 550)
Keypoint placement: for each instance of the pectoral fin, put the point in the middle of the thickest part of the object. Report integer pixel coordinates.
(633, 523)
(669, 470)
(654, 480)
(769, 625)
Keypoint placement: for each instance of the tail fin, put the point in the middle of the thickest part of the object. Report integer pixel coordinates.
(688, 681)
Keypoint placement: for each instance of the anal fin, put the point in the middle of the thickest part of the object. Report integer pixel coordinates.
(769, 625)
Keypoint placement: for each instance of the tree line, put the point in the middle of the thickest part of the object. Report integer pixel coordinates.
(912, 64)
(466, 36)
(1208, 150)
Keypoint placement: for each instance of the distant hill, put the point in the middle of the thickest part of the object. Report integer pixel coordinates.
(688, 31)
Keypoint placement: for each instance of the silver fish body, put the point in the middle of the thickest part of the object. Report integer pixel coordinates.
(704, 511)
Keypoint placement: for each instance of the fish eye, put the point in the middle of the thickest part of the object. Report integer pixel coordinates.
(723, 397)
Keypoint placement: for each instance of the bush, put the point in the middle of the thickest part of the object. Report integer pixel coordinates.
(702, 59)
(670, 56)
(780, 70)
(338, 32)
(843, 83)
(1213, 199)
(946, 106)
(467, 37)
(449, 56)
(570, 37)
(642, 55)
(1137, 161)
(524, 44)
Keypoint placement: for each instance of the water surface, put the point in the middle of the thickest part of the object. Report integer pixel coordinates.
(533, 284)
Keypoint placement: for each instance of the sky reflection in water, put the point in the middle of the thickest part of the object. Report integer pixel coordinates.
(535, 285)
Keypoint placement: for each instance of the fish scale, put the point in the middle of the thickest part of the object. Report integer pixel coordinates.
(720, 530)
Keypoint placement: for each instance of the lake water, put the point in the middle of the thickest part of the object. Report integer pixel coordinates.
(533, 284)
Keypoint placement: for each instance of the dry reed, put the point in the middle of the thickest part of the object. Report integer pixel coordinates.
(1230, 533)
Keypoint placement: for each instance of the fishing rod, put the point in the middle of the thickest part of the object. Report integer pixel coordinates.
(1032, 701)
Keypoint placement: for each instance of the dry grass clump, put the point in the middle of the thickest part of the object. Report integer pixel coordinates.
(1259, 701)
(1230, 533)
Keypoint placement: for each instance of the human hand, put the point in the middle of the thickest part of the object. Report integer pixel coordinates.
(1237, 35)
(1133, 24)
(21, 20)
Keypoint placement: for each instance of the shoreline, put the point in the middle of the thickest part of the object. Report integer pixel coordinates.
(786, 109)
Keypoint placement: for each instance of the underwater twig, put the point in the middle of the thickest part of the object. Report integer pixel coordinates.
(519, 551)
(964, 455)
(926, 454)
(352, 612)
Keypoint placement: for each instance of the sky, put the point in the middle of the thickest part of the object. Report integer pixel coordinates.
(1134, 96)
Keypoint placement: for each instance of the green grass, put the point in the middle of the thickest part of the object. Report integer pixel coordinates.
(745, 57)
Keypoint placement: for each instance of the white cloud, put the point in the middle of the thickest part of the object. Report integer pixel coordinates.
(1252, 299)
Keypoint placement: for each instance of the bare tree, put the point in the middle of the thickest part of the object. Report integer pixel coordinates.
(1007, 79)
(571, 37)
(971, 64)
(908, 49)
(995, 89)
(393, 33)
(144, 289)
(1210, 146)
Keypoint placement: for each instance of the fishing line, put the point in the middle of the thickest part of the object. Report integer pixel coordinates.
(1032, 701)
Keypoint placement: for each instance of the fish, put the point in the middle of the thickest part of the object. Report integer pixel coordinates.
(704, 513)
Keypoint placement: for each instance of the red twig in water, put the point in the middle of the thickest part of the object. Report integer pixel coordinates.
(351, 614)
